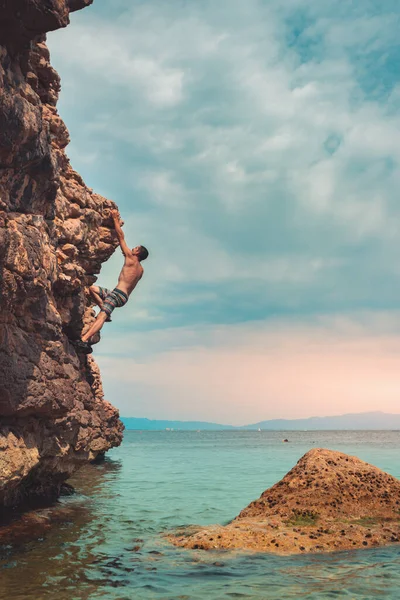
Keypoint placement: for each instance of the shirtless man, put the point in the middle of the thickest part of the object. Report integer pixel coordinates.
(107, 300)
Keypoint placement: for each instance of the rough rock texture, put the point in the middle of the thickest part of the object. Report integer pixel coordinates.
(328, 501)
(54, 235)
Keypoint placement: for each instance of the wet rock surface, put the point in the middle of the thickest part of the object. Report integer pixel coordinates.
(329, 501)
(55, 233)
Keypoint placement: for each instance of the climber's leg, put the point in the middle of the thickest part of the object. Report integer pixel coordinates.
(99, 294)
(94, 291)
(97, 325)
(113, 299)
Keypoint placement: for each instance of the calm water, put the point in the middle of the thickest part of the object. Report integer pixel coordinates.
(108, 543)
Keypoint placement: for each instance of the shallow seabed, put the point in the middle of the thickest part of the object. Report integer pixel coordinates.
(108, 542)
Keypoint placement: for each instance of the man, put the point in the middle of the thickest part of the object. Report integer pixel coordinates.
(107, 300)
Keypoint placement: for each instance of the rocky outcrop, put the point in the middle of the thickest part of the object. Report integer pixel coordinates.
(329, 501)
(54, 235)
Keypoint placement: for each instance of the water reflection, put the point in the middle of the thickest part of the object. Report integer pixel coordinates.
(57, 544)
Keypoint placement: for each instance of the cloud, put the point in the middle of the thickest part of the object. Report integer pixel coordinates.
(162, 189)
(250, 372)
(109, 56)
(253, 150)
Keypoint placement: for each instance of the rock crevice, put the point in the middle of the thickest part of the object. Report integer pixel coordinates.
(55, 233)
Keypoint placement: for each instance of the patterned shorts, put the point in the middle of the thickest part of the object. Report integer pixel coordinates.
(112, 299)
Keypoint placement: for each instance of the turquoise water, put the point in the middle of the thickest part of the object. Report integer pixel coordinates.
(108, 543)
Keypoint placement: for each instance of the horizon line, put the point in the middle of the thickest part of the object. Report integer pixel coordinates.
(377, 412)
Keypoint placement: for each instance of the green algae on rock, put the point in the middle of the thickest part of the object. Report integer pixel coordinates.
(328, 502)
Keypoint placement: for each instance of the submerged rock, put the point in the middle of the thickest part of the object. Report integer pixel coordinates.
(54, 235)
(329, 501)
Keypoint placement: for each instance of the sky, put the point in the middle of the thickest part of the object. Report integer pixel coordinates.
(253, 147)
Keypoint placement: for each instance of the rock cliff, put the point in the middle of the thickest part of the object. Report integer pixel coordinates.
(329, 501)
(54, 235)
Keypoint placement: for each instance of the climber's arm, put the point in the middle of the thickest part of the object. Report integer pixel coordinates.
(120, 234)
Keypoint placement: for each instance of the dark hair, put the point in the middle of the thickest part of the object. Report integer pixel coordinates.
(143, 253)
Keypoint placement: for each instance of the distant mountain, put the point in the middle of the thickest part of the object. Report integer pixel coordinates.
(352, 421)
(149, 425)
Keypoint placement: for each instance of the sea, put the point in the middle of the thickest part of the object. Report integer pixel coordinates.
(107, 540)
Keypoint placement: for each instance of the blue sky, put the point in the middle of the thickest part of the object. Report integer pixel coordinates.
(253, 147)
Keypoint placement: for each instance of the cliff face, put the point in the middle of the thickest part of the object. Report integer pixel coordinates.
(54, 235)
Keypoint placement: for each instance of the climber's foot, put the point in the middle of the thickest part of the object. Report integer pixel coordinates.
(108, 320)
(83, 347)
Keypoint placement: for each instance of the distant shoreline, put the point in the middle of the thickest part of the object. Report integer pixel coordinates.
(242, 430)
(369, 421)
